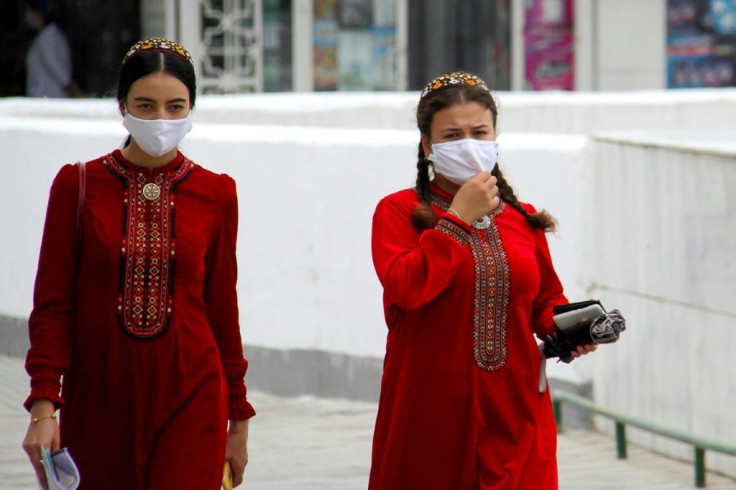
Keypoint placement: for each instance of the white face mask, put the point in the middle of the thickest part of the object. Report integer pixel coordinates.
(461, 160)
(157, 137)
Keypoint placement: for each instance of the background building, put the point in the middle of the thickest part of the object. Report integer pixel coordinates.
(373, 45)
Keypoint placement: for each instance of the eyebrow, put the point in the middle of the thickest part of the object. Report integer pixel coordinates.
(148, 99)
(480, 126)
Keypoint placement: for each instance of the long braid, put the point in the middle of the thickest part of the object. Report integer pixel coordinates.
(541, 219)
(423, 217)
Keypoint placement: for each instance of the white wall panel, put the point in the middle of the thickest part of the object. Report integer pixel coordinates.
(665, 254)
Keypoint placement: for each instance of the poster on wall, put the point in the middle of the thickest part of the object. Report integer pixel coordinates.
(325, 54)
(548, 13)
(325, 9)
(549, 49)
(384, 13)
(384, 58)
(549, 61)
(354, 45)
(701, 43)
(355, 59)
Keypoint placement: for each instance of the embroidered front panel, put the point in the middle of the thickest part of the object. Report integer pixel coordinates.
(146, 301)
(455, 231)
(492, 289)
(491, 302)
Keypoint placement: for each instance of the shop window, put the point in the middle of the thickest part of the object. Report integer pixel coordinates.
(277, 52)
(354, 45)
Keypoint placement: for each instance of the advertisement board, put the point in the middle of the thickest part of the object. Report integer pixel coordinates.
(701, 43)
(549, 49)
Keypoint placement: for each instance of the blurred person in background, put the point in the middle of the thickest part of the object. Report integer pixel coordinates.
(49, 67)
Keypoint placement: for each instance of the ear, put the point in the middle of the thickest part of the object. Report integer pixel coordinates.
(426, 145)
(121, 108)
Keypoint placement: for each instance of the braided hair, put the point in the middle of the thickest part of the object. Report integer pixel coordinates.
(435, 100)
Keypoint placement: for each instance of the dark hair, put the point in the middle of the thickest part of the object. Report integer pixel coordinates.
(40, 6)
(144, 63)
(43, 8)
(434, 101)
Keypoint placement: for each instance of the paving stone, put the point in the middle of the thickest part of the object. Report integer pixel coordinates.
(308, 443)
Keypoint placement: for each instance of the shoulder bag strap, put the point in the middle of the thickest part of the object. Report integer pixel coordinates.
(81, 167)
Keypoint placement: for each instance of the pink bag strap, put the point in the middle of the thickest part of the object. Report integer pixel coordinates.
(81, 167)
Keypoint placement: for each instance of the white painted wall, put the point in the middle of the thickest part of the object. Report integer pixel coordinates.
(629, 45)
(665, 224)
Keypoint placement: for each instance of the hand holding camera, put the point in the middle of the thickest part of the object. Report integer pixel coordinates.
(586, 325)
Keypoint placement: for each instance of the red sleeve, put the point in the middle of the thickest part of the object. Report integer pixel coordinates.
(51, 322)
(550, 288)
(221, 299)
(414, 268)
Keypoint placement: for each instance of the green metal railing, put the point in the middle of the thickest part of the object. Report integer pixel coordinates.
(699, 444)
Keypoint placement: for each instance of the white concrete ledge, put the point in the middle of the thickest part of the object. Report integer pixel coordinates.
(530, 112)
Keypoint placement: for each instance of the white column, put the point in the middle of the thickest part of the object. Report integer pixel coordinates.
(258, 28)
(517, 45)
(631, 47)
(153, 19)
(402, 45)
(190, 35)
(585, 45)
(302, 28)
(170, 19)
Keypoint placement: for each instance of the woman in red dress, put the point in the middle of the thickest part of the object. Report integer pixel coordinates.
(135, 305)
(468, 281)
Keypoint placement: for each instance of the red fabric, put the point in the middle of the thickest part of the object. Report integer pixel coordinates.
(443, 421)
(139, 411)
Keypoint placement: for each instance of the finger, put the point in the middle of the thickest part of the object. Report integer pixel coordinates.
(35, 453)
(490, 187)
(41, 476)
(236, 470)
(484, 176)
(237, 476)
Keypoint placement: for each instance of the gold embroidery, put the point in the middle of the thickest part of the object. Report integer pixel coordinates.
(145, 301)
(453, 230)
(492, 289)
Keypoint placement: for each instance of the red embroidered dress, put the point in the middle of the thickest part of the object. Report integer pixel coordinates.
(141, 320)
(460, 406)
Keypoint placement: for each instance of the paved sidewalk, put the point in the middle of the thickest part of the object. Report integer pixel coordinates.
(307, 443)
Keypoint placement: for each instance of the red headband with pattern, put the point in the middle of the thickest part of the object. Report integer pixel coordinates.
(158, 44)
(455, 78)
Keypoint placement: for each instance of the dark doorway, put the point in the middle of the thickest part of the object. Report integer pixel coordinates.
(14, 42)
(470, 35)
(100, 33)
